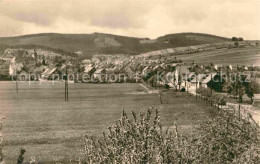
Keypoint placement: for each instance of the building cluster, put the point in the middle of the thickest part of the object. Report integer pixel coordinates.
(191, 76)
(31, 61)
(156, 67)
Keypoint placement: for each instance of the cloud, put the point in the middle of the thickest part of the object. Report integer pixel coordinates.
(133, 18)
(9, 27)
(42, 13)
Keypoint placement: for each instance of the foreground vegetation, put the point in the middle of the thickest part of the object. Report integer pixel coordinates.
(223, 139)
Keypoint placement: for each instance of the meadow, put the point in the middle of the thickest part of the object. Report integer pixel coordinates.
(50, 129)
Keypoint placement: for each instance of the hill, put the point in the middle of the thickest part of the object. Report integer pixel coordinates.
(91, 44)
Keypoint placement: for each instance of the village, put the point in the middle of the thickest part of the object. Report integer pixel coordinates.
(156, 68)
(227, 87)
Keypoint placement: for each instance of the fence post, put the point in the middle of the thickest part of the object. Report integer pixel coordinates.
(196, 87)
(239, 111)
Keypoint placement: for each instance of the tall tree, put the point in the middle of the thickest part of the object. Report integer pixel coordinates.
(252, 88)
(236, 86)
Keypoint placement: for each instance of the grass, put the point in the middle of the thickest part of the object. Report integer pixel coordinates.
(50, 129)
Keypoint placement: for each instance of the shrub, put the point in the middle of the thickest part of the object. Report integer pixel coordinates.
(21, 156)
(183, 90)
(223, 139)
(226, 139)
(140, 140)
(167, 86)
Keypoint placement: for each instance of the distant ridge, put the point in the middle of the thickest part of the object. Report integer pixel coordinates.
(101, 43)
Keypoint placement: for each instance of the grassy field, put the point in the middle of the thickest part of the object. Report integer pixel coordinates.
(50, 129)
(241, 56)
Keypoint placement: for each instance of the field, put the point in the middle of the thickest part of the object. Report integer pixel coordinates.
(241, 56)
(50, 129)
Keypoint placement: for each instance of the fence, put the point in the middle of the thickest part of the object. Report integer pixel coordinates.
(243, 112)
(239, 110)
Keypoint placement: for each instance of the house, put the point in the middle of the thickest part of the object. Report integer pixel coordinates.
(4, 72)
(197, 69)
(129, 72)
(197, 80)
(15, 66)
(89, 69)
(100, 75)
(147, 70)
(214, 81)
(86, 61)
(257, 68)
(245, 68)
(209, 68)
(187, 78)
(86, 74)
(23, 76)
(183, 69)
(52, 74)
(116, 70)
(158, 68)
(230, 67)
(37, 71)
(45, 72)
(5, 59)
(163, 65)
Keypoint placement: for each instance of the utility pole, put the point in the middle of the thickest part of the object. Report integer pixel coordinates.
(211, 87)
(16, 83)
(211, 83)
(66, 86)
(196, 86)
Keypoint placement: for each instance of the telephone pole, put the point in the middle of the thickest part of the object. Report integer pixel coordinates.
(16, 83)
(211, 87)
(211, 83)
(196, 86)
(66, 86)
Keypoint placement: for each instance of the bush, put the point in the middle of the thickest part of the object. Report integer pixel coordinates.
(183, 90)
(222, 139)
(226, 139)
(140, 140)
(167, 86)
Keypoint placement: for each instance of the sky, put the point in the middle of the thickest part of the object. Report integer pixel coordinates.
(137, 18)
